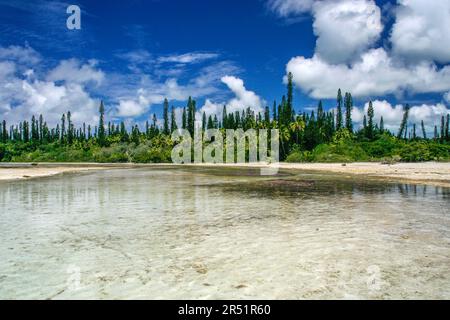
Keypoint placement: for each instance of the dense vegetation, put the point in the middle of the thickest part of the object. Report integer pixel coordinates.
(319, 136)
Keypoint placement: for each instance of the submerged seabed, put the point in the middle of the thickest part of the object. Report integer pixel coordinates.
(222, 234)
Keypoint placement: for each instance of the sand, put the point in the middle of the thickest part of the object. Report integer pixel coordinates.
(430, 173)
(31, 172)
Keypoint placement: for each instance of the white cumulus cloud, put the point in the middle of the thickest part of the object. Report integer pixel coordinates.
(345, 56)
(133, 108)
(345, 28)
(73, 71)
(242, 99)
(421, 30)
(376, 73)
(27, 93)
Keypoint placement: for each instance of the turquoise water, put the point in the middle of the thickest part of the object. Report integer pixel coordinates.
(175, 233)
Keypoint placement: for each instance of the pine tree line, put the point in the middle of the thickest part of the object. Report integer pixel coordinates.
(305, 130)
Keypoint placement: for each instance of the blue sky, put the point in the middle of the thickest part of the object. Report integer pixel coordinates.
(134, 53)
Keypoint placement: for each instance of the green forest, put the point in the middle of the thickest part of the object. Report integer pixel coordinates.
(318, 136)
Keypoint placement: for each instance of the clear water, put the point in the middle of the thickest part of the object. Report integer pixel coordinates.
(221, 234)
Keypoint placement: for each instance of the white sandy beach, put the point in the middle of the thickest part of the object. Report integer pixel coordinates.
(20, 173)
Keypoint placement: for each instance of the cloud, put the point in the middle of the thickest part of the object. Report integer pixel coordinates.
(242, 99)
(344, 56)
(286, 8)
(187, 58)
(27, 88)
(24, 94)
(375, 74)
(345, 28)
(155, 78)
(142, 61)
(148, 91)
(136, 56)
(420, 31)
(43, 97)
(392, 115)
(22, 55)
(132, 108)
(73, 71)
(7, 69)
(447, 97)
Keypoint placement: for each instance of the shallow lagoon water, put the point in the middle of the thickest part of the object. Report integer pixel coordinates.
(196, 233)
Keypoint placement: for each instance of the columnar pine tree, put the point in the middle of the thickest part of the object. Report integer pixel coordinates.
(424, 132)
(404, 124)
(123, 132)
(173, 121)
(370, 125)
(41, 127)
(210, 124)
(348, 111)
(34, 130)
(135, 134)
(63, 128)
(339, 120)
(280, 113)
(26, 132)
(154, 125)
(69, 128)
(381, 125)
(274, 111)
(267, 117)
(224, 117)
(101, 126)
(191, 116)
(5, 132)
(204, 121)
(166, 117)
(290, 99)
(57, 132)
(184, 119)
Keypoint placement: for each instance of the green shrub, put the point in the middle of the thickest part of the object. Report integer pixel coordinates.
(299, 156)
(116, 153)
(383, 147)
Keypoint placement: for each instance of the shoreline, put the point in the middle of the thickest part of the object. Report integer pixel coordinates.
(429, 173)
(20, 172)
